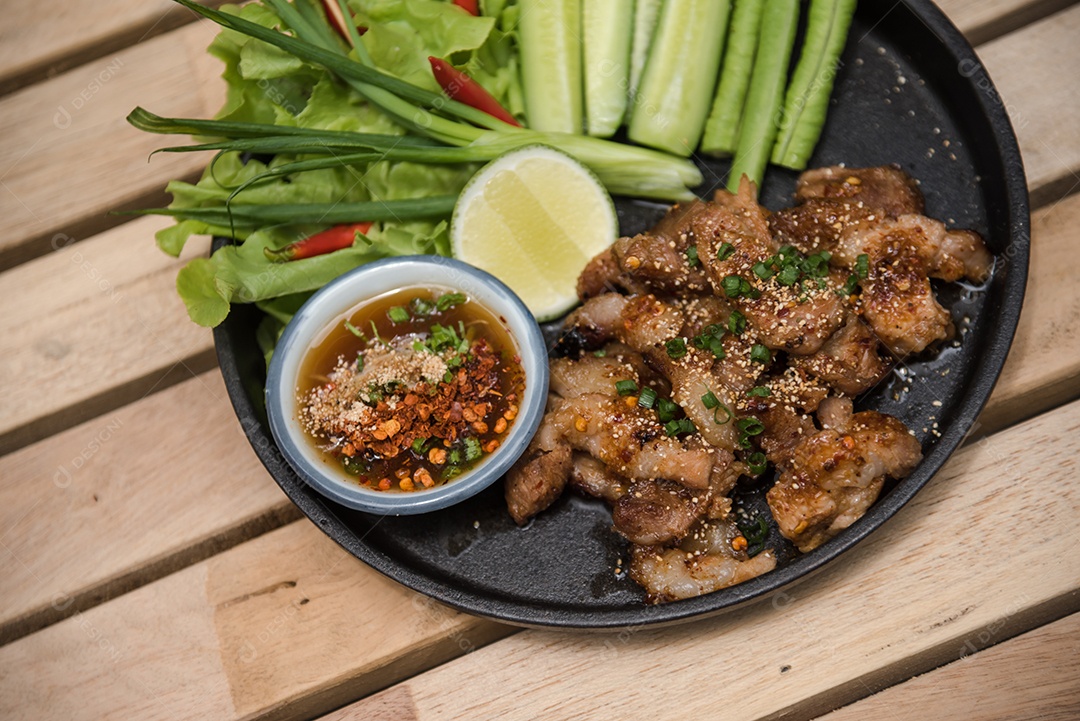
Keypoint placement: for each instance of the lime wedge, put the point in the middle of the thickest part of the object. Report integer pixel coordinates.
(534, 218)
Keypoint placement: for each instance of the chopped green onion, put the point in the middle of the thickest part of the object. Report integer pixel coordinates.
(724, 251)
(760, 354)
(683, 425)
(418, 446)
(599, 353)
(447, 377)
(455, 456)
(359, 362)
(647, 398)
(676, 348)
(761, 270)
(750, 426)
(398, 314)
(711, 402)
(421, 306)
(732, 286)
(757, 464)
(862, 266)
(759, 392)
(666, 409)
(756, 531)
(692, 256)
(849, 286)
(354, 330)
(788, 275)
(736, 322)
(449, 300)
(626, 387)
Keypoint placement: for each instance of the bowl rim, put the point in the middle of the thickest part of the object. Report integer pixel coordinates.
(366, 283)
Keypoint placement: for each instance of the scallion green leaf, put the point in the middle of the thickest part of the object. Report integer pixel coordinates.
(676, 348)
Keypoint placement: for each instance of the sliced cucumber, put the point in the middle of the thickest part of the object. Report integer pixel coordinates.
(549, 34)
(680, 75)
(606, 57)
(645, 14)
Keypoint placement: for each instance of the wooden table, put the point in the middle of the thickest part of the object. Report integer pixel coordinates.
(152, 569)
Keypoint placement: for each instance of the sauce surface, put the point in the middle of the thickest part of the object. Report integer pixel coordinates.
(408, 390)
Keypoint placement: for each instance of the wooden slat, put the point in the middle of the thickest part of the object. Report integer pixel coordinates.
(127, 498)
(46, 37)
(289, 625)
(1033, 676)
(90, 327)
(68, 157)
(1026, 67)
(969, 561)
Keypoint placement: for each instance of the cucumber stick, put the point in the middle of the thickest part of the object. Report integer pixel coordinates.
(766, 95)
(680, 75)
(807, 100)
(722, 127)
(607, 26)
(549, 33)
(646, 13)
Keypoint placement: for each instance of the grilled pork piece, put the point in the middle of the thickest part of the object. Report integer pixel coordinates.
(886, 188)
(836, 474)
(704, 562)
(851, 360)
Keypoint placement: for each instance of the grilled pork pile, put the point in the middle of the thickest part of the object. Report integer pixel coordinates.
(727, 339)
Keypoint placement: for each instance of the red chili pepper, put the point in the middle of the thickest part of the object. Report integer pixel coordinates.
(336, 238)
(459, 86)
(470, 6)
(337, 20)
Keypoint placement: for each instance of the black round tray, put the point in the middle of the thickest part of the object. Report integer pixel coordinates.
(909, 90)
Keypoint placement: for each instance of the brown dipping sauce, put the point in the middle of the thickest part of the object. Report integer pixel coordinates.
(410, 389)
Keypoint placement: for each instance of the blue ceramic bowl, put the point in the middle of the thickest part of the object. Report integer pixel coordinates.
(326, 307)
